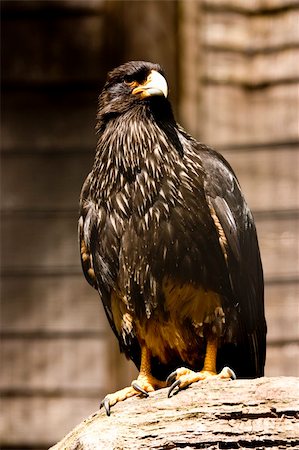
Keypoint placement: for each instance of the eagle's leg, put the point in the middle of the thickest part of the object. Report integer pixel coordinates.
(183, 377)
(142, 385)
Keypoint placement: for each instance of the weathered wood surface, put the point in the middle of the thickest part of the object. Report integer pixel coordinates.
(148, 32)
(38, 421)
(188, 65)
(261, 69)
(35, 173)
(217, 414)
(72, 6)
(267, 172)
(282, 359)
(31, 38)
(254, 6)
(261, 116)
(55, 121)
(250, 34)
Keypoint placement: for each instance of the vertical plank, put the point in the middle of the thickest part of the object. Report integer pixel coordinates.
(154, 38)
(190, 64)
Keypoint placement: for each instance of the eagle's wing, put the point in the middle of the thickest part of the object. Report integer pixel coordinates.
(98, 273)
(238, 239)
(100, 248)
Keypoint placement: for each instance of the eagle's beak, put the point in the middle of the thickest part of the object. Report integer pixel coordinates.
(155, 84)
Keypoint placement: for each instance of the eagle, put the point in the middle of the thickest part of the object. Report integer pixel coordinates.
(168, 241)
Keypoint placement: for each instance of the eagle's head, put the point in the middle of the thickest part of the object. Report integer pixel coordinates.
(134, 102)
(134, 84)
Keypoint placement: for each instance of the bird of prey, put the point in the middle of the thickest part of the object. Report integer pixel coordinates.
(168, 241)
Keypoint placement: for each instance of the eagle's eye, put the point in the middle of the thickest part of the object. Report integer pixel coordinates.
(130, 78)
(131, 81)
(136, 78)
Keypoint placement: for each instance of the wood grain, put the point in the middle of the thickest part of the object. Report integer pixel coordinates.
(282, 360)
(54, 304)
(54, 121)
(261, 117)
(39, 7)
(59, 365)
(237, 414)
(48, 56)
(252, 7)
(250, 34)
(49, 181)
(266, 174)
(49, 417)
(282, 313)
(251, 70)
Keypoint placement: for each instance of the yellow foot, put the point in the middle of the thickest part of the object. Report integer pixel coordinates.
(183, 377)
(142, 386)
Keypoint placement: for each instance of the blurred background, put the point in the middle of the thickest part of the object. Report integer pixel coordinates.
(233, 72)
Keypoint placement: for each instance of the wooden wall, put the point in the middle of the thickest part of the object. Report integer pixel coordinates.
(246, 105)
(234, 84)
(52, 346)
(59, 357)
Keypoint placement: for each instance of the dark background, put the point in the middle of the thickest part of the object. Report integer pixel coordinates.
(233, 72)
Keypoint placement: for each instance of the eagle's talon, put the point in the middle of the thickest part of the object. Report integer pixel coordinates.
(106, 403)
(171, 378)
(227, 372)
(139, 389)
(177, 384)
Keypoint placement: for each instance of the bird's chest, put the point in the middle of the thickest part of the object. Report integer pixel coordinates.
(189, 314)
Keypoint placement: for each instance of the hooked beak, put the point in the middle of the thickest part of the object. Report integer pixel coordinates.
(155, 84)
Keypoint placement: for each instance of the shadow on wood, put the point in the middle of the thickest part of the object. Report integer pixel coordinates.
(260, 413)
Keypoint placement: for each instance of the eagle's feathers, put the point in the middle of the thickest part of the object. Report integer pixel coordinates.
(167, 238)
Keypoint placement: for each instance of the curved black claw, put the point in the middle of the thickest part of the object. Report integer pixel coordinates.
(177, 384)
(106, 403)
(171, 378)
(139, 389)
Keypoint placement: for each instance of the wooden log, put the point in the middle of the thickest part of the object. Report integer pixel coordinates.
(213, 414)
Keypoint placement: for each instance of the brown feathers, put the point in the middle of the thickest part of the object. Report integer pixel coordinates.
(166, 236)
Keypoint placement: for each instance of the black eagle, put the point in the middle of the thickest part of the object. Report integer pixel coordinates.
(169, 242)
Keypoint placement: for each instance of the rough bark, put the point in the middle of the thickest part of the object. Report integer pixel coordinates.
(261, 413)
